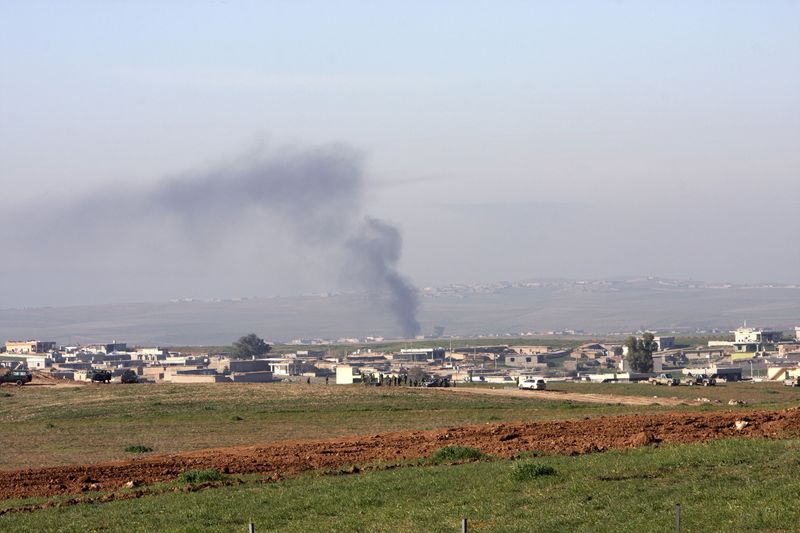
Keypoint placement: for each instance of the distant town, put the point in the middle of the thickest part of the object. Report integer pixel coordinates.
(748, 352)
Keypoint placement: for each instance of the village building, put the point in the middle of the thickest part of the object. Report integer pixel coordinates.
(30, 347)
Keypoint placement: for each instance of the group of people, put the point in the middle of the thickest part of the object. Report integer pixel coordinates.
(393, 381)
(389, 380)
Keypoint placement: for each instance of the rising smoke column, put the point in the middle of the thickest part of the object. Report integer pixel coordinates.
(376, 250)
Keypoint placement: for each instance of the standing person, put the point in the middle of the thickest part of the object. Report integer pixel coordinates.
(326, 380)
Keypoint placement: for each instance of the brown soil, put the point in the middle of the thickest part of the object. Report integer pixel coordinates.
(575, 396)
(280, 459)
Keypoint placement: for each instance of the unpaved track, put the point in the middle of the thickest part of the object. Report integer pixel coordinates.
(286, 458)
(575, 396)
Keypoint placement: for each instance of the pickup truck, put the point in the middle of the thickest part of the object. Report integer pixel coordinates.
(19, 377)
(664, 379)
(701, 379)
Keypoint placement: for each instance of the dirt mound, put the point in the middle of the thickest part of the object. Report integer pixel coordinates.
(280, 459)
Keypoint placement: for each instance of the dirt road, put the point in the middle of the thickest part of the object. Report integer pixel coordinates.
(281, 459)
(572, 396)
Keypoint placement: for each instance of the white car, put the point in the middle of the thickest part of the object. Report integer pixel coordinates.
(533, 384)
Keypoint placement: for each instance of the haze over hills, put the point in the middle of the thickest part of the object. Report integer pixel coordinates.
(535, 306)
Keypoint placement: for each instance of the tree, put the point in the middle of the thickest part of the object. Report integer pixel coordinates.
(640, 352)
(416, 373)
(250, 346)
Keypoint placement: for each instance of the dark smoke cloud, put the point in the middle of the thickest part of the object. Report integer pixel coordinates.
(376, 248)
(315, 194)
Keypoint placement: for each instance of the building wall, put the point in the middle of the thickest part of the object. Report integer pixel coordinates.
(152, 353)
(39, 362)
(248, 365)
(530, 350)
(194, 378)
(252, 377)
(524, 361)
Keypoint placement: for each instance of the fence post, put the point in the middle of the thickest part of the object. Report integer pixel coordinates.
(677, 518)
(251, 528)
(464, 525)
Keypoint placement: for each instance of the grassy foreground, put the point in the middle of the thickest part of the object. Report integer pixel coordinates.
(729, 485)
(95, 423)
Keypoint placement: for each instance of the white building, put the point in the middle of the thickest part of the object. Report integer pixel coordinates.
(748, 341)
(347, 375)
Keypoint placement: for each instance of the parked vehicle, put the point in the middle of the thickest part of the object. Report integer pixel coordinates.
(436, 382)
(129, 376)
(701, 379)
(96, 374)
(18, 377)
(664, 379)
(792, 381)
(533, 384)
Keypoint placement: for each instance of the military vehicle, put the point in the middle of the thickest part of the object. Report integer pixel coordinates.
(96, 374)
(129, 376)
(18, 377)
(436, 382)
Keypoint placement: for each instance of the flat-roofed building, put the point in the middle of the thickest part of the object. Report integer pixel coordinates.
(107, 347)
(747, 342)
(525, 361)
(664, 343)
(347, 375)
(529, 350)
(26, 347)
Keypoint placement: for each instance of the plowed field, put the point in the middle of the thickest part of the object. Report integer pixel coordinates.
(285, 458)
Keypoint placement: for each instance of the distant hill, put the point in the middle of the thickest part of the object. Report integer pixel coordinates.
(597, 306)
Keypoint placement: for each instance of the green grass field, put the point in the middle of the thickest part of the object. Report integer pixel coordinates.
(98, 422)
(728, 485)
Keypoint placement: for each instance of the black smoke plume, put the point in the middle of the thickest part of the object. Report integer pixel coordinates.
(315, 194)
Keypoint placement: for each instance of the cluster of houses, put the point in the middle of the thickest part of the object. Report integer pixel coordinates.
(150, 364)
(764, 353)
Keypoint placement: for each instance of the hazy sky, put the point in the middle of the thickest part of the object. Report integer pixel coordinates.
(505, 140)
